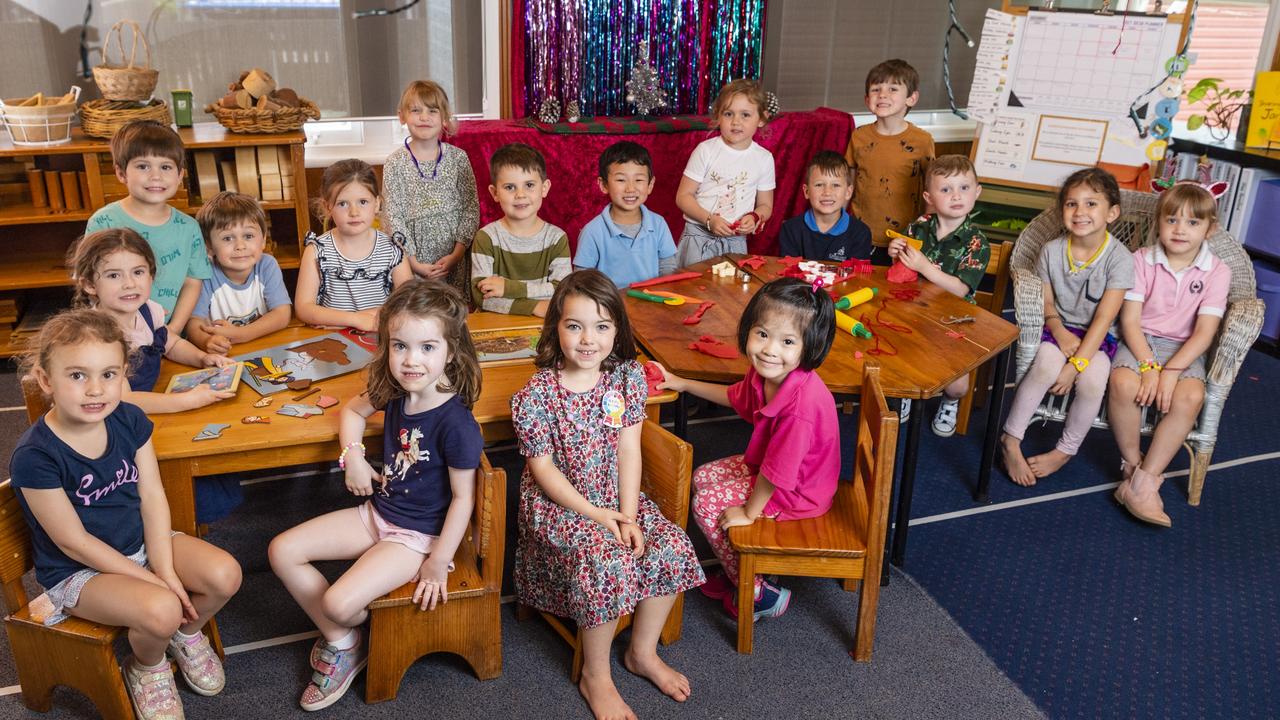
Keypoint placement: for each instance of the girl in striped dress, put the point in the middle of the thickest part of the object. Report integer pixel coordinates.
(347, 273)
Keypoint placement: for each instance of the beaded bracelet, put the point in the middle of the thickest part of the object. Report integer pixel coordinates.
(1151, 364)
(342, 458)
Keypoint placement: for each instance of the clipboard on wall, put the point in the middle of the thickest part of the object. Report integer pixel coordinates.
(1068, 79)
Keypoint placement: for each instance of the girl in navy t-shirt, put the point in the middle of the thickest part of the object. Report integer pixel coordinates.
(426, 377)
(89, 485)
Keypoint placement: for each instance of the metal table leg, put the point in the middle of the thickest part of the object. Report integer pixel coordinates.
(995, 409)
(907, 485)
(681, 426)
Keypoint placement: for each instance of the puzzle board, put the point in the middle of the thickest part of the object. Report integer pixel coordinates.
(505, 347)
(269, 371)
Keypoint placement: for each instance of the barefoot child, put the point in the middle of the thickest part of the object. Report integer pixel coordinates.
(1169, 320)
(1085, 274)
(591, 546)
(792, 462)
(89, 485)
(426, 377)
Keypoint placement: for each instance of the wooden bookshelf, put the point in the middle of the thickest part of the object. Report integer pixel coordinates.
(34, 240)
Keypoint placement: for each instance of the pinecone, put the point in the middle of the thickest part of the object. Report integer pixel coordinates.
(572, 113)
(549, 111)
(771, 105)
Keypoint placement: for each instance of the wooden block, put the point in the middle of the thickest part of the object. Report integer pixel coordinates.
(207, 174)
(247, 172)
(287, 193)
(35, 183)
(267, 162)
(53, 188)
(272, 189)
(86, 198)
(14, 191)
(229, 181)
(70, 189)
(284, 153)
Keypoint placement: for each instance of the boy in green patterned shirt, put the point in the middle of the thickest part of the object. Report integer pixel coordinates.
(517, 260)
(954, 253)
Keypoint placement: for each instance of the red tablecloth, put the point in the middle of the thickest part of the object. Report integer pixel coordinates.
(793, 138)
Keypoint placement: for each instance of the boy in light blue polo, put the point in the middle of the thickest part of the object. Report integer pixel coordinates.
(626, 241)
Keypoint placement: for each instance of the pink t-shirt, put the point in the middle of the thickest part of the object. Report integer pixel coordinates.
(795, 443)
(1171, 301)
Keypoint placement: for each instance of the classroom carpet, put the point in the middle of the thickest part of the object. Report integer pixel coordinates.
(1050, 600)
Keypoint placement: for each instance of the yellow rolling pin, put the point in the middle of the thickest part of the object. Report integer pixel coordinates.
(892, 235)
(856, 298)
(851, 326)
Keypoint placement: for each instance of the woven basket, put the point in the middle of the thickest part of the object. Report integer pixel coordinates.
(125, 81)
(102, 118)
(39, 124)
(258, 121)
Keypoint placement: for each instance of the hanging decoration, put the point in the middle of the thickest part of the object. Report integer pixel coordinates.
(587, 51)
(644, 89)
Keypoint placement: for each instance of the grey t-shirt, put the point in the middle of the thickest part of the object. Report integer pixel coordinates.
(630, 231)
(1076, 294)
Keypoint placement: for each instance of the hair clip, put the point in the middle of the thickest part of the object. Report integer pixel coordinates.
(818, 284)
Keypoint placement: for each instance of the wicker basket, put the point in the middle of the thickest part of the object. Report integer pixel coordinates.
(257, 121)
(40, 125)
(102, 118)
(125, 81)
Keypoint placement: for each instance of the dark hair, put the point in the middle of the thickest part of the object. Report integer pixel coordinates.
(624, 151)
(84, 256)
(422, 298)
(813, 310)
(146, 137)
(597, 286)
(517, 155)
(1097, 179)
(894, 70)
(70, 328)
(230, 208)
(829, 162)
(339, 175)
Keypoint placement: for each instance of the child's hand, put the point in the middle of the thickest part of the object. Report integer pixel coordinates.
(217, 344)
(433, 584)
(171, 581)
(435, 271)
(633, 537)
(670, 381)
(1147, 384)
(1066, 378)
(913, 258)
(201, 395)
(719, 226)
(733, 516)
(1068, 343)
(211, 359)
(366, 320)
(612, 520)
(1164, 390)
(360, 476)
(540, 308)
(492, 286)
(746, 225)
(895, 247)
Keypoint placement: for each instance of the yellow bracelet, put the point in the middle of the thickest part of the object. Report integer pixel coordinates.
(1151, 364)
(1078, 363)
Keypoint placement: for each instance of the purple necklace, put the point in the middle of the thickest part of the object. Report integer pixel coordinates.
(434, 169)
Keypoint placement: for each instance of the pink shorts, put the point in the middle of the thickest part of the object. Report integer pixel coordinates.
(382, 531)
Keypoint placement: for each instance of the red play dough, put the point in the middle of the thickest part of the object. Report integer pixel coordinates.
(714, 347)
(652, 377)
(900, 274)
(666, 278)
(754, 262)
(696, 316)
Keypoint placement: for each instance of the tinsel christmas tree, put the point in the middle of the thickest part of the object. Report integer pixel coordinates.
(644, 89)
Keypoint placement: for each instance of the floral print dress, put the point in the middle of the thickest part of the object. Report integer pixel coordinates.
(566, 563)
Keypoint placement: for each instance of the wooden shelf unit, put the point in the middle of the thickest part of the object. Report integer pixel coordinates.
(34, 240)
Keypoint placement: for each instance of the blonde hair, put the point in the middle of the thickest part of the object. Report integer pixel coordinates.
(430, 94)
(750, 89)
(84, 256)
(421, 298)
(1190, 195)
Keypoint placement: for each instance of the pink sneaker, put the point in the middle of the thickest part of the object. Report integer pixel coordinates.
(335, 671)
(771, 601)
(152, 692)
(718, 587)
(199, 664)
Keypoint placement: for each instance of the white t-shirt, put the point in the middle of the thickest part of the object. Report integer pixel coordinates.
(241, 304)
(728, 179)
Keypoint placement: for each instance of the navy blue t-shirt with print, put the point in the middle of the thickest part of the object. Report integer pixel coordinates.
(848, 239)
(103, 490)
(418, 451)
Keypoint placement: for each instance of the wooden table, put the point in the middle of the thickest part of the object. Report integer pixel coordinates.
(290, 441)
(927, 359)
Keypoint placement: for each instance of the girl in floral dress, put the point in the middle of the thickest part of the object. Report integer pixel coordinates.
(591, 546)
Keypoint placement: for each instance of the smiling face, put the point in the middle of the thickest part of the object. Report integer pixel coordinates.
(586, 333)
(628, 185)
(237, 248)
(1182, 234)
(774, 345)
(890, 99)
(417, 353)
(952, 197)
(519, 192)
(1087, 212)
(424, 122)
(150, 179)
(120, 284)
(827, 193)
(85, 381)
(739, 120)
(353, 209)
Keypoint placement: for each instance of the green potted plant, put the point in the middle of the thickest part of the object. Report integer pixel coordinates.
(1221, 105)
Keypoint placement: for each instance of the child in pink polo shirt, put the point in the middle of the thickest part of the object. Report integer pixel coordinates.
(1168, 321)
(792, 462)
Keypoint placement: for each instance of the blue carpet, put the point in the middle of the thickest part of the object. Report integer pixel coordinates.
(1094, 614)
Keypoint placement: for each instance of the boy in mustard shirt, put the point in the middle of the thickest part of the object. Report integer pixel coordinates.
(888, 157)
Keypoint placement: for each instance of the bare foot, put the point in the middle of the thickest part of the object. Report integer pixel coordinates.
(1014, 462)
(673, 684)
(1048, 463)
(602, 695)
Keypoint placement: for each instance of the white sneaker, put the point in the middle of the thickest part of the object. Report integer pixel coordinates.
(904, 411)
(944, 421)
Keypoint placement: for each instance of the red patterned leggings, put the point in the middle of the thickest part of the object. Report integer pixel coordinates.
(718, 485)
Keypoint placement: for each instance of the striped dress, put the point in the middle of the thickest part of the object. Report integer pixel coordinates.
(352, 285)
(532, 266)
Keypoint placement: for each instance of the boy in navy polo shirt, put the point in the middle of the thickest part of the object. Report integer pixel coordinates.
(626, 241)
(826, 231)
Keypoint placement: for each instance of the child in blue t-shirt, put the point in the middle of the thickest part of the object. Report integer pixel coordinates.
(826, 231)
(148, 159)
(87, 479)
(246, 298)
(626, 241)
(426, 377)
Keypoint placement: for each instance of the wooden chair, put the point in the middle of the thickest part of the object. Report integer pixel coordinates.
(1136, 228)
(469, 624)
(847, 542)
(665, 477)
(998, 269)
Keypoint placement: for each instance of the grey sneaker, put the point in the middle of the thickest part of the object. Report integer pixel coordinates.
(904, 411)
(944, 421)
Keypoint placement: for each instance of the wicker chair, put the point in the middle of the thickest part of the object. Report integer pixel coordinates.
(1240, 326)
